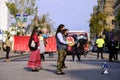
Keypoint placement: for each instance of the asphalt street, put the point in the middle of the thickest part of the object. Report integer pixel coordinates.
(88, 69)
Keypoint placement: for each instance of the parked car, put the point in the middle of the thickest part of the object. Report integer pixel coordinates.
(94, 49)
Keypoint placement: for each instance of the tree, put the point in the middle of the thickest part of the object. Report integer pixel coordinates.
(97, 23)
(43, 22)
(20, 9)
(12, 8)
(22, 6)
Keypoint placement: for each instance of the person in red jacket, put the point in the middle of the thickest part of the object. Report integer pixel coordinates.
(34, 61)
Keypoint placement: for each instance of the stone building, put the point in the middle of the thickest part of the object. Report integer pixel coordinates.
(116, 10)
(105, 6)
(108, 9)
(95, 10)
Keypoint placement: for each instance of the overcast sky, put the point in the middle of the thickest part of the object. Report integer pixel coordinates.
(74, 14)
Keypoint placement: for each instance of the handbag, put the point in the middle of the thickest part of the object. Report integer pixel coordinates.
(32, 45)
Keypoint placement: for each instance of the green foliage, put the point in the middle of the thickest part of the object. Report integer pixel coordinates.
(22, 6)
(29, 11)
(31, 8)
(18, 33)
(97, 23)
(42, 22)
(7, 32)
(12, 8)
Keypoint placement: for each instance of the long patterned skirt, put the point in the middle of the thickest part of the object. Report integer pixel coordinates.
(34, 60)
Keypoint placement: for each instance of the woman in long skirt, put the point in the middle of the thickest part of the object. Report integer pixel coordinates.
(34, 61)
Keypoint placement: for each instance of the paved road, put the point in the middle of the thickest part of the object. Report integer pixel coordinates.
(88, 69)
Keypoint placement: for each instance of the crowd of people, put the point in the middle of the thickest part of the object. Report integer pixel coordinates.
(37, 44)
(113, 45)
(37, 48)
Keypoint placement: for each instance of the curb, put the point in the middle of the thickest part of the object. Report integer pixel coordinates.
(16, 55)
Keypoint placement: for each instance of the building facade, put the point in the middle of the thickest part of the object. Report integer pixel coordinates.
(108, 9)
(105, 6)
(116, 10)
(116, 23)
(5, 19)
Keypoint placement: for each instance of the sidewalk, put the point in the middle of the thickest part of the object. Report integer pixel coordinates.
(18, 53)
(105, 55)
(12, 54)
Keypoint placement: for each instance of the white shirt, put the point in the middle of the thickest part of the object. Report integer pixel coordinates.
(60, 37)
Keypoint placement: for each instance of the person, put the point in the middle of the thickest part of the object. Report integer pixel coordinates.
(7, 48)
(51, 54)
(61, 48)
(65, 33)
(80, 46)
(86, 48)
(42, 46)
(117, 44)
(34, 61)
(100, 45)
(74, 49)
(112, 49)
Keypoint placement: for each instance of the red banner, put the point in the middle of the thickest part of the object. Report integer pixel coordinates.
(21, 43)
(51, 44)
